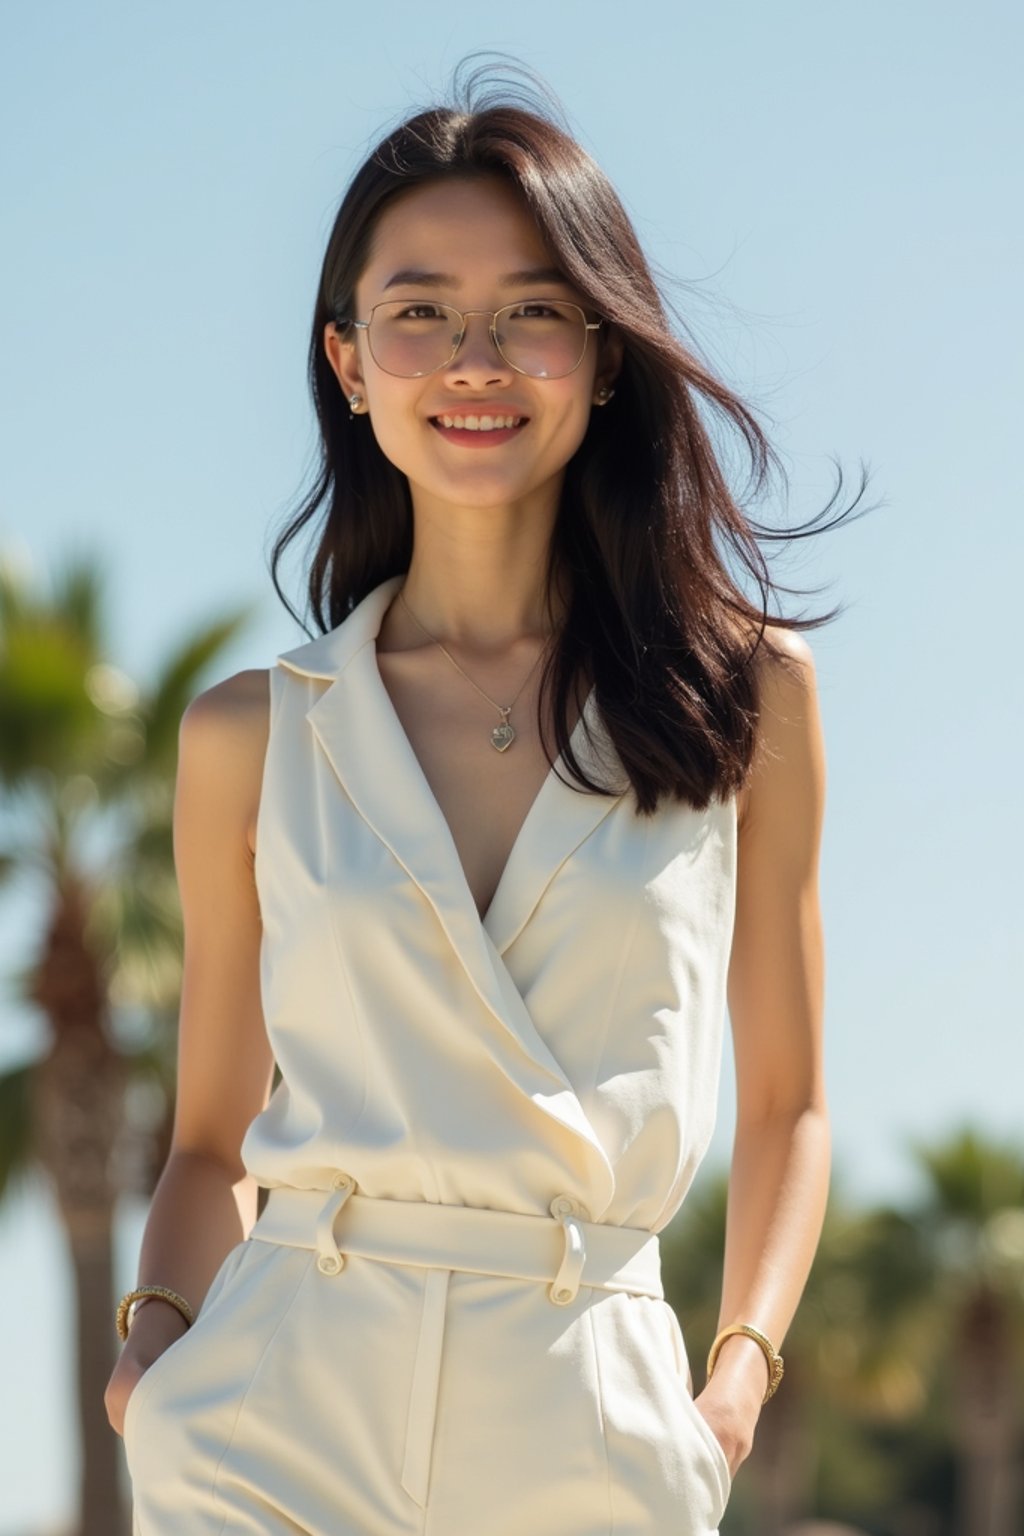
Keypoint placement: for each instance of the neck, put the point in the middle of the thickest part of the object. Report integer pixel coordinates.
(476, 580)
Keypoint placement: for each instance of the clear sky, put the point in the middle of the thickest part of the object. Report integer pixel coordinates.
(833, 183)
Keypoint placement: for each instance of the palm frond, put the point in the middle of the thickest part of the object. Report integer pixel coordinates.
(78, 585)
(178, 681)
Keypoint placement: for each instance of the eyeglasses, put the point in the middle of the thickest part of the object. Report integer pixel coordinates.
(543, 338)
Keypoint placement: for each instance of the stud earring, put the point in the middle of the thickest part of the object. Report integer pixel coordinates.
(355, 401)
(604, 394)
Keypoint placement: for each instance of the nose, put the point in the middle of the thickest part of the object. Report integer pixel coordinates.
(477, 358)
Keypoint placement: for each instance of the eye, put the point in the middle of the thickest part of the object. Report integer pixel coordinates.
(420, 312)
(532, 310)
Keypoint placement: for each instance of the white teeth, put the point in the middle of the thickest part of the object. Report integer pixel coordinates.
(480, 423)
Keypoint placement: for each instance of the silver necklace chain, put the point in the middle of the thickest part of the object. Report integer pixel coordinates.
(503, 735)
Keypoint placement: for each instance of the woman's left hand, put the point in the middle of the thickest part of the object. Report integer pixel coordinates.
(732, 1416)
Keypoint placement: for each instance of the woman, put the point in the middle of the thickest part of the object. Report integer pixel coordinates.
(480, 866)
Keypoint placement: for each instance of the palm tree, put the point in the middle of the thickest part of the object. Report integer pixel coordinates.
(972, 1218)
(87, 764)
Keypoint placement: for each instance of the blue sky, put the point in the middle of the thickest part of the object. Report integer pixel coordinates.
(832, 183)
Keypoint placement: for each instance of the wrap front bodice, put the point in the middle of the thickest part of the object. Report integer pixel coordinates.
(570, 1041)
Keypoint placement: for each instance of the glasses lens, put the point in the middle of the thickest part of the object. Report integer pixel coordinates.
(410, 339)
(544, 338)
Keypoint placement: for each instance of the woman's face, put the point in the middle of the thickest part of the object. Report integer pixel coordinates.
(482, 250)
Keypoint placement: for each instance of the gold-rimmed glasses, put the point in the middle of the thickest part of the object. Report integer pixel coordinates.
(542, 338)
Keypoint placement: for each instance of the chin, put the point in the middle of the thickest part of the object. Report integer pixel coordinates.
(475, 488)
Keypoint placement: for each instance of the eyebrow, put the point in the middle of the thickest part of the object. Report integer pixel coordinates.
(415, 277)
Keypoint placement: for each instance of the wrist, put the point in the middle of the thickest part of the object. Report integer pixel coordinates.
(132, 1299)
(156, 1317)
(773, 1360)
(740, 1372)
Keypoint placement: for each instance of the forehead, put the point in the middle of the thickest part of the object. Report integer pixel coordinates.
(466, 227)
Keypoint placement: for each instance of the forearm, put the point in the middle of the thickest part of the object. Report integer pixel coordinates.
(778, 1189)
(199, 1211)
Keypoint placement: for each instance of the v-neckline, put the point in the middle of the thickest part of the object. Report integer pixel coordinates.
(533, 809)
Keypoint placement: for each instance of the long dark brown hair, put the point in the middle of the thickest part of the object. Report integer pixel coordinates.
(654, 617)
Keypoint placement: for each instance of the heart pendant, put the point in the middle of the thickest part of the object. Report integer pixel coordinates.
(503, 736)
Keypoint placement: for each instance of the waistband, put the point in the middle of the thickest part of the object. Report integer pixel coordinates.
(564, 1248)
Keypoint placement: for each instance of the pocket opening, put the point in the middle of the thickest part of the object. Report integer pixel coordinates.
(710, 1439)
(232, 1259)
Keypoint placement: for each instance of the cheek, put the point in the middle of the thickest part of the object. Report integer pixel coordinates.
(568, 423)
(397, 428)
(395, 442)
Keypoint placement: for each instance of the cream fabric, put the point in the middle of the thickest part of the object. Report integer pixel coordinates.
(557, 1062)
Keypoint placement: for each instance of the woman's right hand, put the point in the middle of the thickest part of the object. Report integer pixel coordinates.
(154, 1327)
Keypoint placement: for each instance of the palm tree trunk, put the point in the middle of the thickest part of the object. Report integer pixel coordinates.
(985, 1420)
(78, 1111)
(100, 1495)
(779, 1470)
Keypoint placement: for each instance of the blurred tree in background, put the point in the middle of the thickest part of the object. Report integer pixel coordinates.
(971, 1225)
(87, 765)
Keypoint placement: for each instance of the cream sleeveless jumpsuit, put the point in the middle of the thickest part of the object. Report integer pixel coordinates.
(449, 1319)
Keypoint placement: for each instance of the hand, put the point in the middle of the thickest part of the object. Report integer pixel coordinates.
(732, 1416)
(154, 1327)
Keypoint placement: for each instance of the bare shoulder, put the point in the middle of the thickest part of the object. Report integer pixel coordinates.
(233, 715)
(784, 667)
(224, 732)
(789, 729)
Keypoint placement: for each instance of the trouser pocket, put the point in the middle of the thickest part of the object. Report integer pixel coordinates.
(664, 1459)
(182, 1413)
(184, 1343)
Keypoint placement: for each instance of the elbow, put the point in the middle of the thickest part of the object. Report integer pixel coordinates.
(217, 1159)
(786, 1111)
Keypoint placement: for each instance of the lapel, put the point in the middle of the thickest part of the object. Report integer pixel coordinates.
(355, 724)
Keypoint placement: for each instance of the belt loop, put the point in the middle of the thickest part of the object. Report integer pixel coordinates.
(566, 1283)
(330, 1261)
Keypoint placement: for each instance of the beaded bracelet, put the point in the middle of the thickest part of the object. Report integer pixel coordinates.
(771, 1354)
(174, 1297)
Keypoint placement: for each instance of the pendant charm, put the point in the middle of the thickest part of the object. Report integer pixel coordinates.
(503, 736)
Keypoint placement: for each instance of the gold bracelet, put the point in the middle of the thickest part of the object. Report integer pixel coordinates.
(771, 1354)
(174, 1297)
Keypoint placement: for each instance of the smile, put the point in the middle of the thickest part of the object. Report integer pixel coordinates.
(478, 423)
(478, 431)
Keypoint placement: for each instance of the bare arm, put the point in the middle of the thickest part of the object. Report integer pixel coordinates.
(204, 1202)
(779, 1177)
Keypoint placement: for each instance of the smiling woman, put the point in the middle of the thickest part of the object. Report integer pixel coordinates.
(490, 957)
